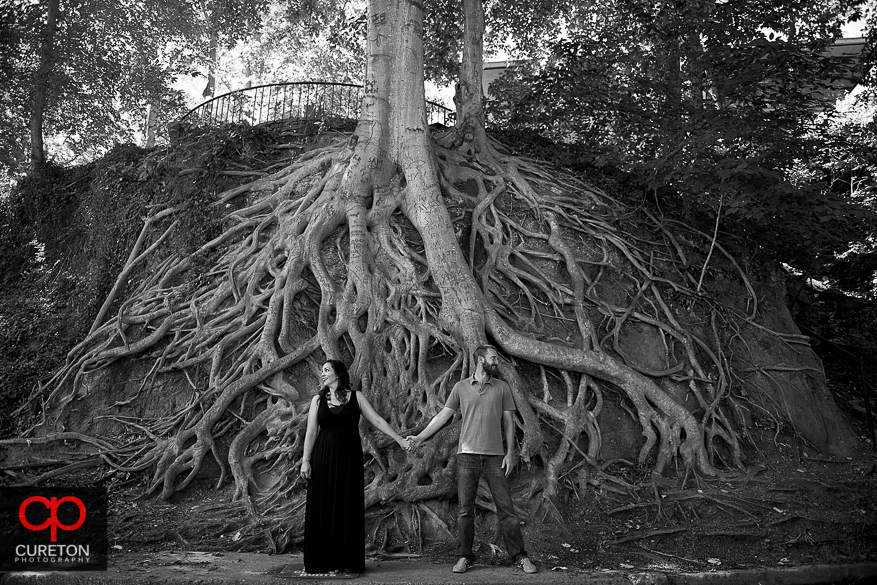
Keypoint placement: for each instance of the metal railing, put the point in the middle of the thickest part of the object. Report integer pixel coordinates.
(332, 103)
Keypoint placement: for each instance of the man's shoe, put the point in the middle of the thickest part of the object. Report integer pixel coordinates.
(527, 565)
(462, 565)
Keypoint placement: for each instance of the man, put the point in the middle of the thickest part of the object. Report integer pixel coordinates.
(483, 400)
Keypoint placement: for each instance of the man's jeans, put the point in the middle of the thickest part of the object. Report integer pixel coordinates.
(469, 469)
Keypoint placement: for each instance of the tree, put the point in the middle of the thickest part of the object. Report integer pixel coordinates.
(40, 86)
(401, 252)
(720, 127)
(87, 72)
(298, 43)
(80, 71)
(221, 23)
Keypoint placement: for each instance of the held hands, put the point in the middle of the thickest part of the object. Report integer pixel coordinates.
(407, 444)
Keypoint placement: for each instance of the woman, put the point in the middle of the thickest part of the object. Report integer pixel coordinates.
(332, 464)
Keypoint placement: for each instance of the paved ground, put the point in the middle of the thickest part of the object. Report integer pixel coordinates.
(171, 568)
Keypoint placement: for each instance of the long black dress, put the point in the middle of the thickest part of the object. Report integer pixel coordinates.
(335, 512)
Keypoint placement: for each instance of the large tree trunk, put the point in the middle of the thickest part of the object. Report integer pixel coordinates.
(469, 96)
(212, 49)
(393, 133)
(41, 86)
(151, 129)
(409, 179)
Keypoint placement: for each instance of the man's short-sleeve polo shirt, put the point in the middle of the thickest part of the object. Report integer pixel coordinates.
(482, 406)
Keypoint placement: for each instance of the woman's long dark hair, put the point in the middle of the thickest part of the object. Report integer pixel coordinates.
(343, 380)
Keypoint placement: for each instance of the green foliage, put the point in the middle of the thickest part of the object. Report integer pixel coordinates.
(848, 165)
(35, 313)
(517, 27)
(717, 117)
(324, 40)
(855, 271)
(231, 20)
(442, 40)
(19, 255)
(52, 196)
(34, 338)
(844, 332)
(310, 41)
(522, 27)
(109, 219)
(109, 60)
(869, 55)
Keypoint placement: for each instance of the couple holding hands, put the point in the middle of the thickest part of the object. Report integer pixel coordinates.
(332, 464)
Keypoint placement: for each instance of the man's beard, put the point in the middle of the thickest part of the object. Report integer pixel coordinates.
(492, 369)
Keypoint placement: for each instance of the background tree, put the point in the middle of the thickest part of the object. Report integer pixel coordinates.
(41, 84)
(84, 74)
(314, 42)
(220, 24)
(717, 116)
(80, 72)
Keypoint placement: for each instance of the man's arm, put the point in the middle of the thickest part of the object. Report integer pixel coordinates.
(508, 462)
(435, 425)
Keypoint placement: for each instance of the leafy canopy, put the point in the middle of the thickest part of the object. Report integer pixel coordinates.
(719, 115)
(110, 59)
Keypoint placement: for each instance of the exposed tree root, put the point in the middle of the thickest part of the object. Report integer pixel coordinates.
(403, 272)
(641, 536)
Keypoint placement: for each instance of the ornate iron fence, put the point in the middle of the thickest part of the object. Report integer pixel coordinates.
(318, 101)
